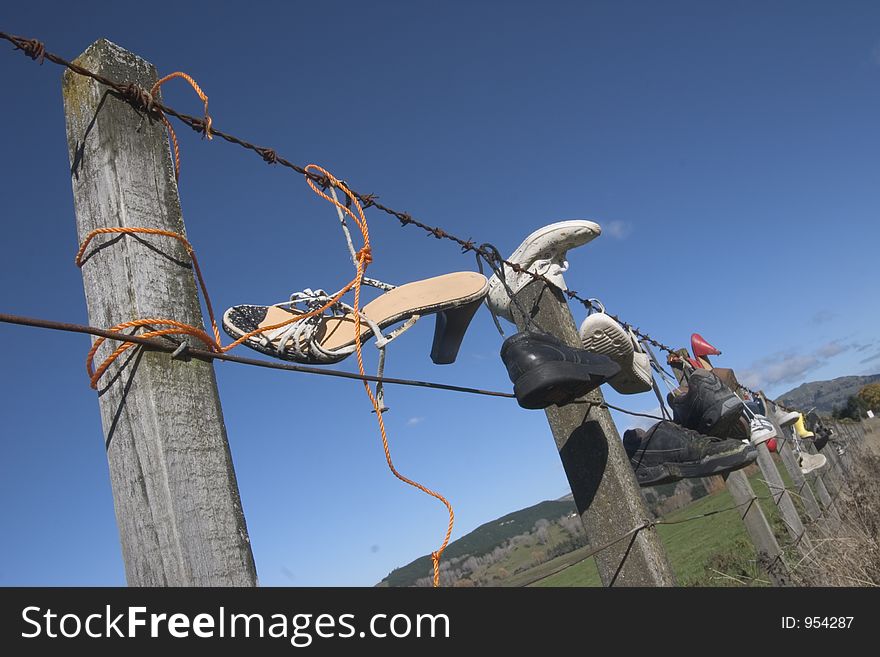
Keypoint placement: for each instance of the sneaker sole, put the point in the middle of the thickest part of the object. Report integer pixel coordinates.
(818, 466)
(555, 383)
(666, 473)
(609, 339)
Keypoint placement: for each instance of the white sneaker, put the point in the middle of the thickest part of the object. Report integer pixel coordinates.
(543, 252)
(600, 334)
(784, 419)
(761, 430)
(810, 462)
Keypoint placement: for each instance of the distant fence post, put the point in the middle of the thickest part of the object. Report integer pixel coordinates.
(789, 460)
(834, 469)
(608, 498)
(783, 448)
(759, 530)
(781, 496)
(174, 489)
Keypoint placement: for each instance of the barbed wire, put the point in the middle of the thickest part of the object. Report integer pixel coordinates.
(646, 525)
(141, 99)
(182, 350)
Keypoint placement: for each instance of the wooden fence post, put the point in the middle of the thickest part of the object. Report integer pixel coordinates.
(781, 497)
(608, 498)
(759, 530)
(783, 448)
(789, 460)
(174, 489)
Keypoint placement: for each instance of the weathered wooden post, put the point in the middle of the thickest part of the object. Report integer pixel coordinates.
(174, 489)
(757, 527)
(781, 496)
(783, 448)
(605, 490)
(802, 488)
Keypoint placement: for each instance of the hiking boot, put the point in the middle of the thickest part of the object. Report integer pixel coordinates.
(761, 430)
(810, 462)
(546, 371)
(668, 452)
(708, 406)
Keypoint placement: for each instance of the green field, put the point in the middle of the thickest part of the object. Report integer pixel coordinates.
(697, 549)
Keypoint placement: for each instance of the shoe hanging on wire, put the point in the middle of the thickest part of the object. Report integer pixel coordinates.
(545, 371)
(702, 350)
(601, 334)
(543, 252)
(330, 336)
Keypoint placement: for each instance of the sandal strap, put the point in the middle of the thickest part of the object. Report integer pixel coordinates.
(300, 337)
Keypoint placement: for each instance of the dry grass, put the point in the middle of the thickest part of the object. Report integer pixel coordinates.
(848, 554)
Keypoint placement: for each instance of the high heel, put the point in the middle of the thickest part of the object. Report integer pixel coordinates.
(449, 330)
(330, 337)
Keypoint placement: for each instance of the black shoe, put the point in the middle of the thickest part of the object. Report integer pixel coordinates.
(709, 406)
(668, 452)
(821, 437)
(546, 371)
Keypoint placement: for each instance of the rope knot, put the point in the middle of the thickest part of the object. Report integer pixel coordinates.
(365, 255)
(33, 48)
(203, 126)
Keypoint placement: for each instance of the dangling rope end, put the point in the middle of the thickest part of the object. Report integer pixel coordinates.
(435, 560)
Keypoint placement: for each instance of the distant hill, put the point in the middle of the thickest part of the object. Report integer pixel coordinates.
(516, 526)
(825, 396)
(484, 539)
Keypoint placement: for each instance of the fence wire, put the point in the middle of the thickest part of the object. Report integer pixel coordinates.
(143, 101)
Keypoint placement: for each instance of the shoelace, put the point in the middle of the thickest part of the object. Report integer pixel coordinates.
(546, 267)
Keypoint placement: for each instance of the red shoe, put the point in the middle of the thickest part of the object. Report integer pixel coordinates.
(701, 348)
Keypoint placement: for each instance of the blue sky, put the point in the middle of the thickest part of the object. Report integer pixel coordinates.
(730, 153)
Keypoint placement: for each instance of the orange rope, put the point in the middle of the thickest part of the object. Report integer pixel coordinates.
(169, 127)
(364, 258)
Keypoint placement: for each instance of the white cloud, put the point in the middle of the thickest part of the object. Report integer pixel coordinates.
(619, 230)
(413, 421)
(832, 349)
(789, 366)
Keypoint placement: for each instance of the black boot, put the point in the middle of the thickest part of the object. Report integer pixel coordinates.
(709, 406)
(546, 371)
(668, 452)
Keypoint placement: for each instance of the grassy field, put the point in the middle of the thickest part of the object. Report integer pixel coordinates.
(712, 551)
